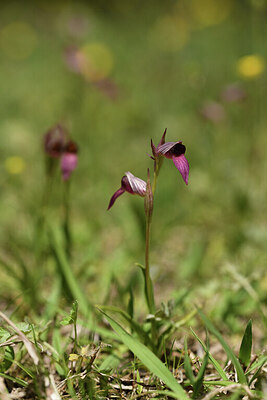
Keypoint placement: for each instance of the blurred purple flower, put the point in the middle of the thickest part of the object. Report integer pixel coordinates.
(56, 146)
(69, 159)
(233, 93)
(213, 111)
(73, 59)
(175, 151)
(130, 184)
(54, 141)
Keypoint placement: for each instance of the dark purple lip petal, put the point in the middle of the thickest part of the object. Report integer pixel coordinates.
(118, 193)
(182, 165)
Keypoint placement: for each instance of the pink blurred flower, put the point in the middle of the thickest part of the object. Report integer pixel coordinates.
(56, 146)
(69, 159)
(213, 111)
(130, 184)
(233, 93)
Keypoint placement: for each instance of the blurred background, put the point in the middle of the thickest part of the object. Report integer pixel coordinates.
(116, 74)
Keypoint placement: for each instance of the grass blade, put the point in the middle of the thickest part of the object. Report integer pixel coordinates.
(246, 345)
(240, 373)
(187, 364)
(148, 359)
(212, 359)
(258, 363)
(16, 380)
(67, 272)
(200, 377)
(132, 323)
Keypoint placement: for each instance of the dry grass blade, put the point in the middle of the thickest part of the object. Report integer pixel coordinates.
(29, 346)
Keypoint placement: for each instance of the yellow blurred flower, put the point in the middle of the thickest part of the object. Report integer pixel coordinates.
(73, 357)
(250, 66)
(210, 12)
(17, 40)
(96, 61)
(15, 165)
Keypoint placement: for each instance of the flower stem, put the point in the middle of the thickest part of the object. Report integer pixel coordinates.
(154, 182)
(149, 288)
(66, 219)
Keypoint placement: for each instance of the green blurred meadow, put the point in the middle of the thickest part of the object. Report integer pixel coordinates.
(195, 67)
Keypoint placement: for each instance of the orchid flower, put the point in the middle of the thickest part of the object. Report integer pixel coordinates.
(56, 146)
(130, 184)
(69, 159)
(54, 141)
(175, 151)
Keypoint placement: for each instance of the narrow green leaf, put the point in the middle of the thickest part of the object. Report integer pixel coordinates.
(200, 377)
(246, 345)
(130, 307)
(212, 359)
(258, 363)
(148, 359)
(257, 372)
(67, 272)
(187, 364)
(240, 373)
(8, 359)
(16, 380)
(135, 326)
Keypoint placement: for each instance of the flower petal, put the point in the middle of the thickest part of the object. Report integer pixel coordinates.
(166, 147)
(68, 164)
(118, 193)
(138, 186)
(182, 165)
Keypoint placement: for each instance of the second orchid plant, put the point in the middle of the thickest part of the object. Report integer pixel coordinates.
(134, 185)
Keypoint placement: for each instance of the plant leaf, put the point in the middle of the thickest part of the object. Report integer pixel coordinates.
(212, 359)
(187, 364)
(135, 326)
(246, 344)
(67, 272)
(148, 359)
(200, 377)
(240, 373)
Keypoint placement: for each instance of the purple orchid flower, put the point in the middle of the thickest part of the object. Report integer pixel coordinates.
(130, 184)
(56, 146)
(175, 151)
(69, 159)
(54, 141)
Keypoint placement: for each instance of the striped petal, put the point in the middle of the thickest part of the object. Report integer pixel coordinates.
(182, 165)
(137, 185)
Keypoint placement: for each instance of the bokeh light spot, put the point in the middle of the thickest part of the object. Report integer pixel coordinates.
(97, 61)
(211, 12)
(251, 66)
(15, 165)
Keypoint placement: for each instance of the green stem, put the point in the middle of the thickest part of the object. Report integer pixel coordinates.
(149, 289)
(66, 221)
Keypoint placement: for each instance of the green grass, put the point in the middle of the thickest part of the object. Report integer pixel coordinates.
(208, 244)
